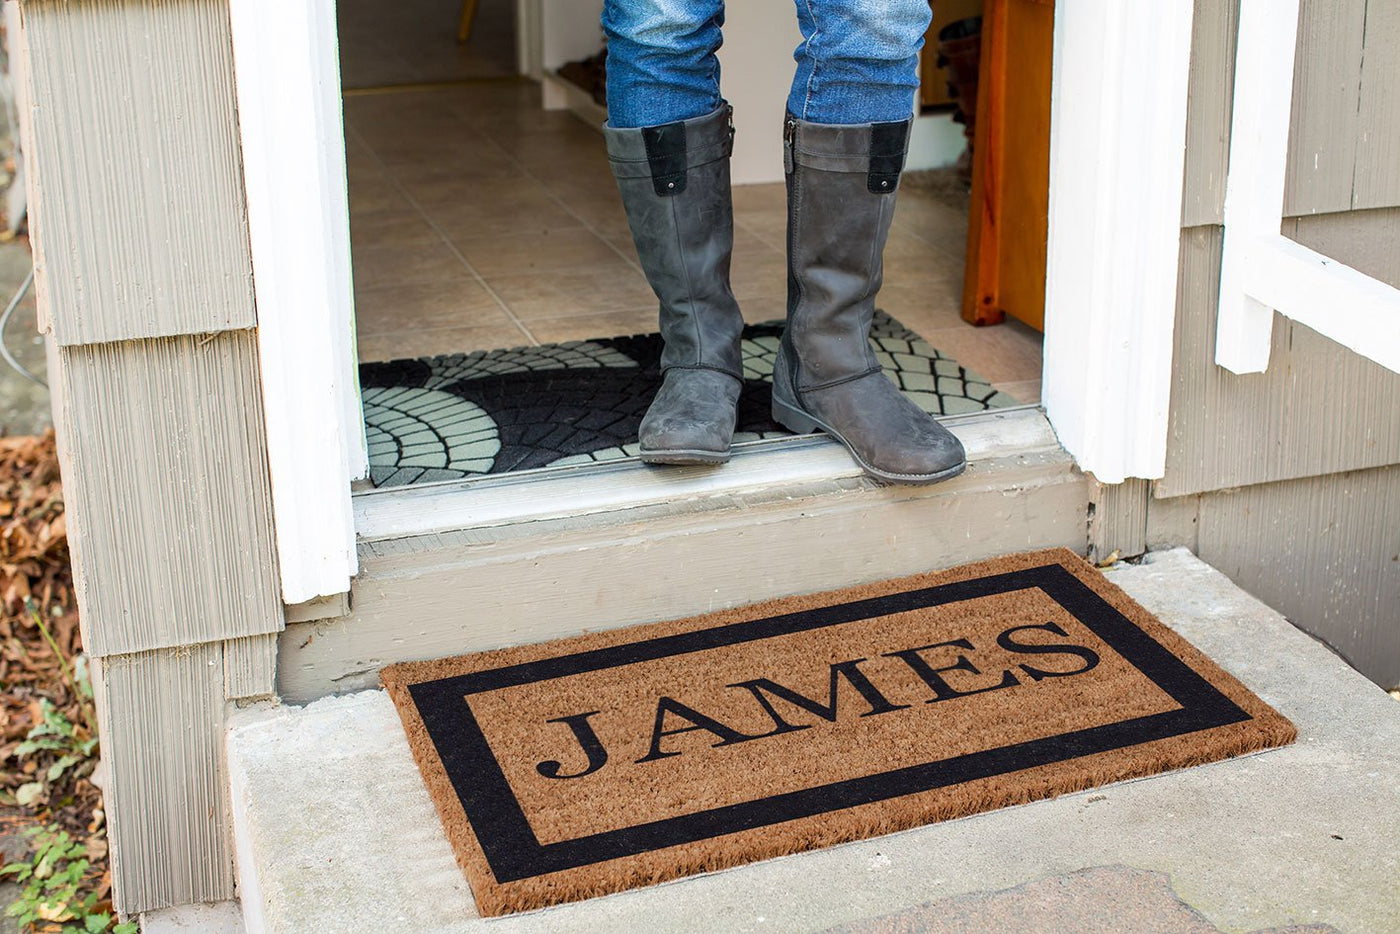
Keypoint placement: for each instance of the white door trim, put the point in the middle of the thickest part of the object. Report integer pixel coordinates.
(1261, 270)
(1117, 158)
(287, 71)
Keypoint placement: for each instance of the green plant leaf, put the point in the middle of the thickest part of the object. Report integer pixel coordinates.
(62, 765)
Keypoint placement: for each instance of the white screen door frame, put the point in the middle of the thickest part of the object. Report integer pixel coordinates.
(1262, 271)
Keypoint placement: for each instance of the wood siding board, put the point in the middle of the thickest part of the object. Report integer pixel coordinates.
(1172, 523)
(1324, 551)
(250, 667)
(1377, 180)
(161, 715)
(1368, 241)
(455, 592)
(141, 227)
(165, 476)
(1118, 519)
(1322, 146)
(1318, 409)
(1211, 94)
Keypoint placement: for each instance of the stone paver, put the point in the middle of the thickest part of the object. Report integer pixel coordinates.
(1106, 900)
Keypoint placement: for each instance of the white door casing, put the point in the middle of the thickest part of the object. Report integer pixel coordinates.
(1116, 162)
(1263, 271)
(287, 71)
(1117, 158)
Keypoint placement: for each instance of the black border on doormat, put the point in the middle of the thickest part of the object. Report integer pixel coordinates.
(514, 852)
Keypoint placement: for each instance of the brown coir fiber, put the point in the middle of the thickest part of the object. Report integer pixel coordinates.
(623, 758)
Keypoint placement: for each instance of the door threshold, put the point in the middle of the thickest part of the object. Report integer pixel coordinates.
(758, 471)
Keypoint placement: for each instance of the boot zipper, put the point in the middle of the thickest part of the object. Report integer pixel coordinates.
(789, 141)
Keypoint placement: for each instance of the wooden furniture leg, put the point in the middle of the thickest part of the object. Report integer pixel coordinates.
(464, 24)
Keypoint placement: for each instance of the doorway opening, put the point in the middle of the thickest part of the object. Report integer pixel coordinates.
(503, 320)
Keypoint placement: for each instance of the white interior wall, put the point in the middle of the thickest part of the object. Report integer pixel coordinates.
(756, 67)
(569, 30)
(755, 74)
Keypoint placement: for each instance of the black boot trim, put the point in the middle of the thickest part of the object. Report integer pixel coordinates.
(666, 156)
(888, 143)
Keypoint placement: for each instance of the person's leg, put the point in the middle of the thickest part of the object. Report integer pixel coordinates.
(858, 61)
(662, 65)
(669, 139)
(845, 142)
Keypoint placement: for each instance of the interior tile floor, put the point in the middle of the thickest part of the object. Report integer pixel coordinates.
(481, 221)
(415, 41)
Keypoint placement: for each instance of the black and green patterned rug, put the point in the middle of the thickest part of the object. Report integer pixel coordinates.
(495, 411)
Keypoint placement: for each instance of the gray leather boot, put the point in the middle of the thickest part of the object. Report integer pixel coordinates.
(841, 196)
(674, 181)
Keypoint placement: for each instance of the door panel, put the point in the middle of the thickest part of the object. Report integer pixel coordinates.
(1011, 166)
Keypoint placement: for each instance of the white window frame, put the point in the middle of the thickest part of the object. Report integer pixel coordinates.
(1262, 271)
(1116, 164)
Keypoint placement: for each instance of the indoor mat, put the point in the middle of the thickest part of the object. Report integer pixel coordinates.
(588, 765)
(494, 411)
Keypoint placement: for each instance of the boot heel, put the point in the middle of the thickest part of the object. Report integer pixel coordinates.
(792, 418)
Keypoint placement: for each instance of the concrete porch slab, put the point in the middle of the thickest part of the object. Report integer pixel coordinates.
(335, 831)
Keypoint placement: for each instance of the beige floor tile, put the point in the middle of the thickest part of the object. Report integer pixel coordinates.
(621, 242)
(583, 327)
(772, 231)
(525, 209)
(362, 167)
(924, 307)
(571, 292)
(418, 343)
(758, 272)
(581, 189)
(427, 306)
(765, 200)
(401, 263)
(603, 213)
(484, 162)
(920, 264)
(532, 254)
(1002, 353)
(537, 141)
(395, 226)
(587, 162)
(934, 222)
(376, 193)
(1026, 391)
(760, 308)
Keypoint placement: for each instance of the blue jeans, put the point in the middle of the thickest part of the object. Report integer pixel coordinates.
(857, 63)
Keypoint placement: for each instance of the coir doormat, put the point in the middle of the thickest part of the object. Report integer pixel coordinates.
(617, 759)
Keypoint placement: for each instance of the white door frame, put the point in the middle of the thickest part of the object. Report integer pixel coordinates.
(1263, 271)
(1116, 161)
(1117, 158)
(287, 72)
